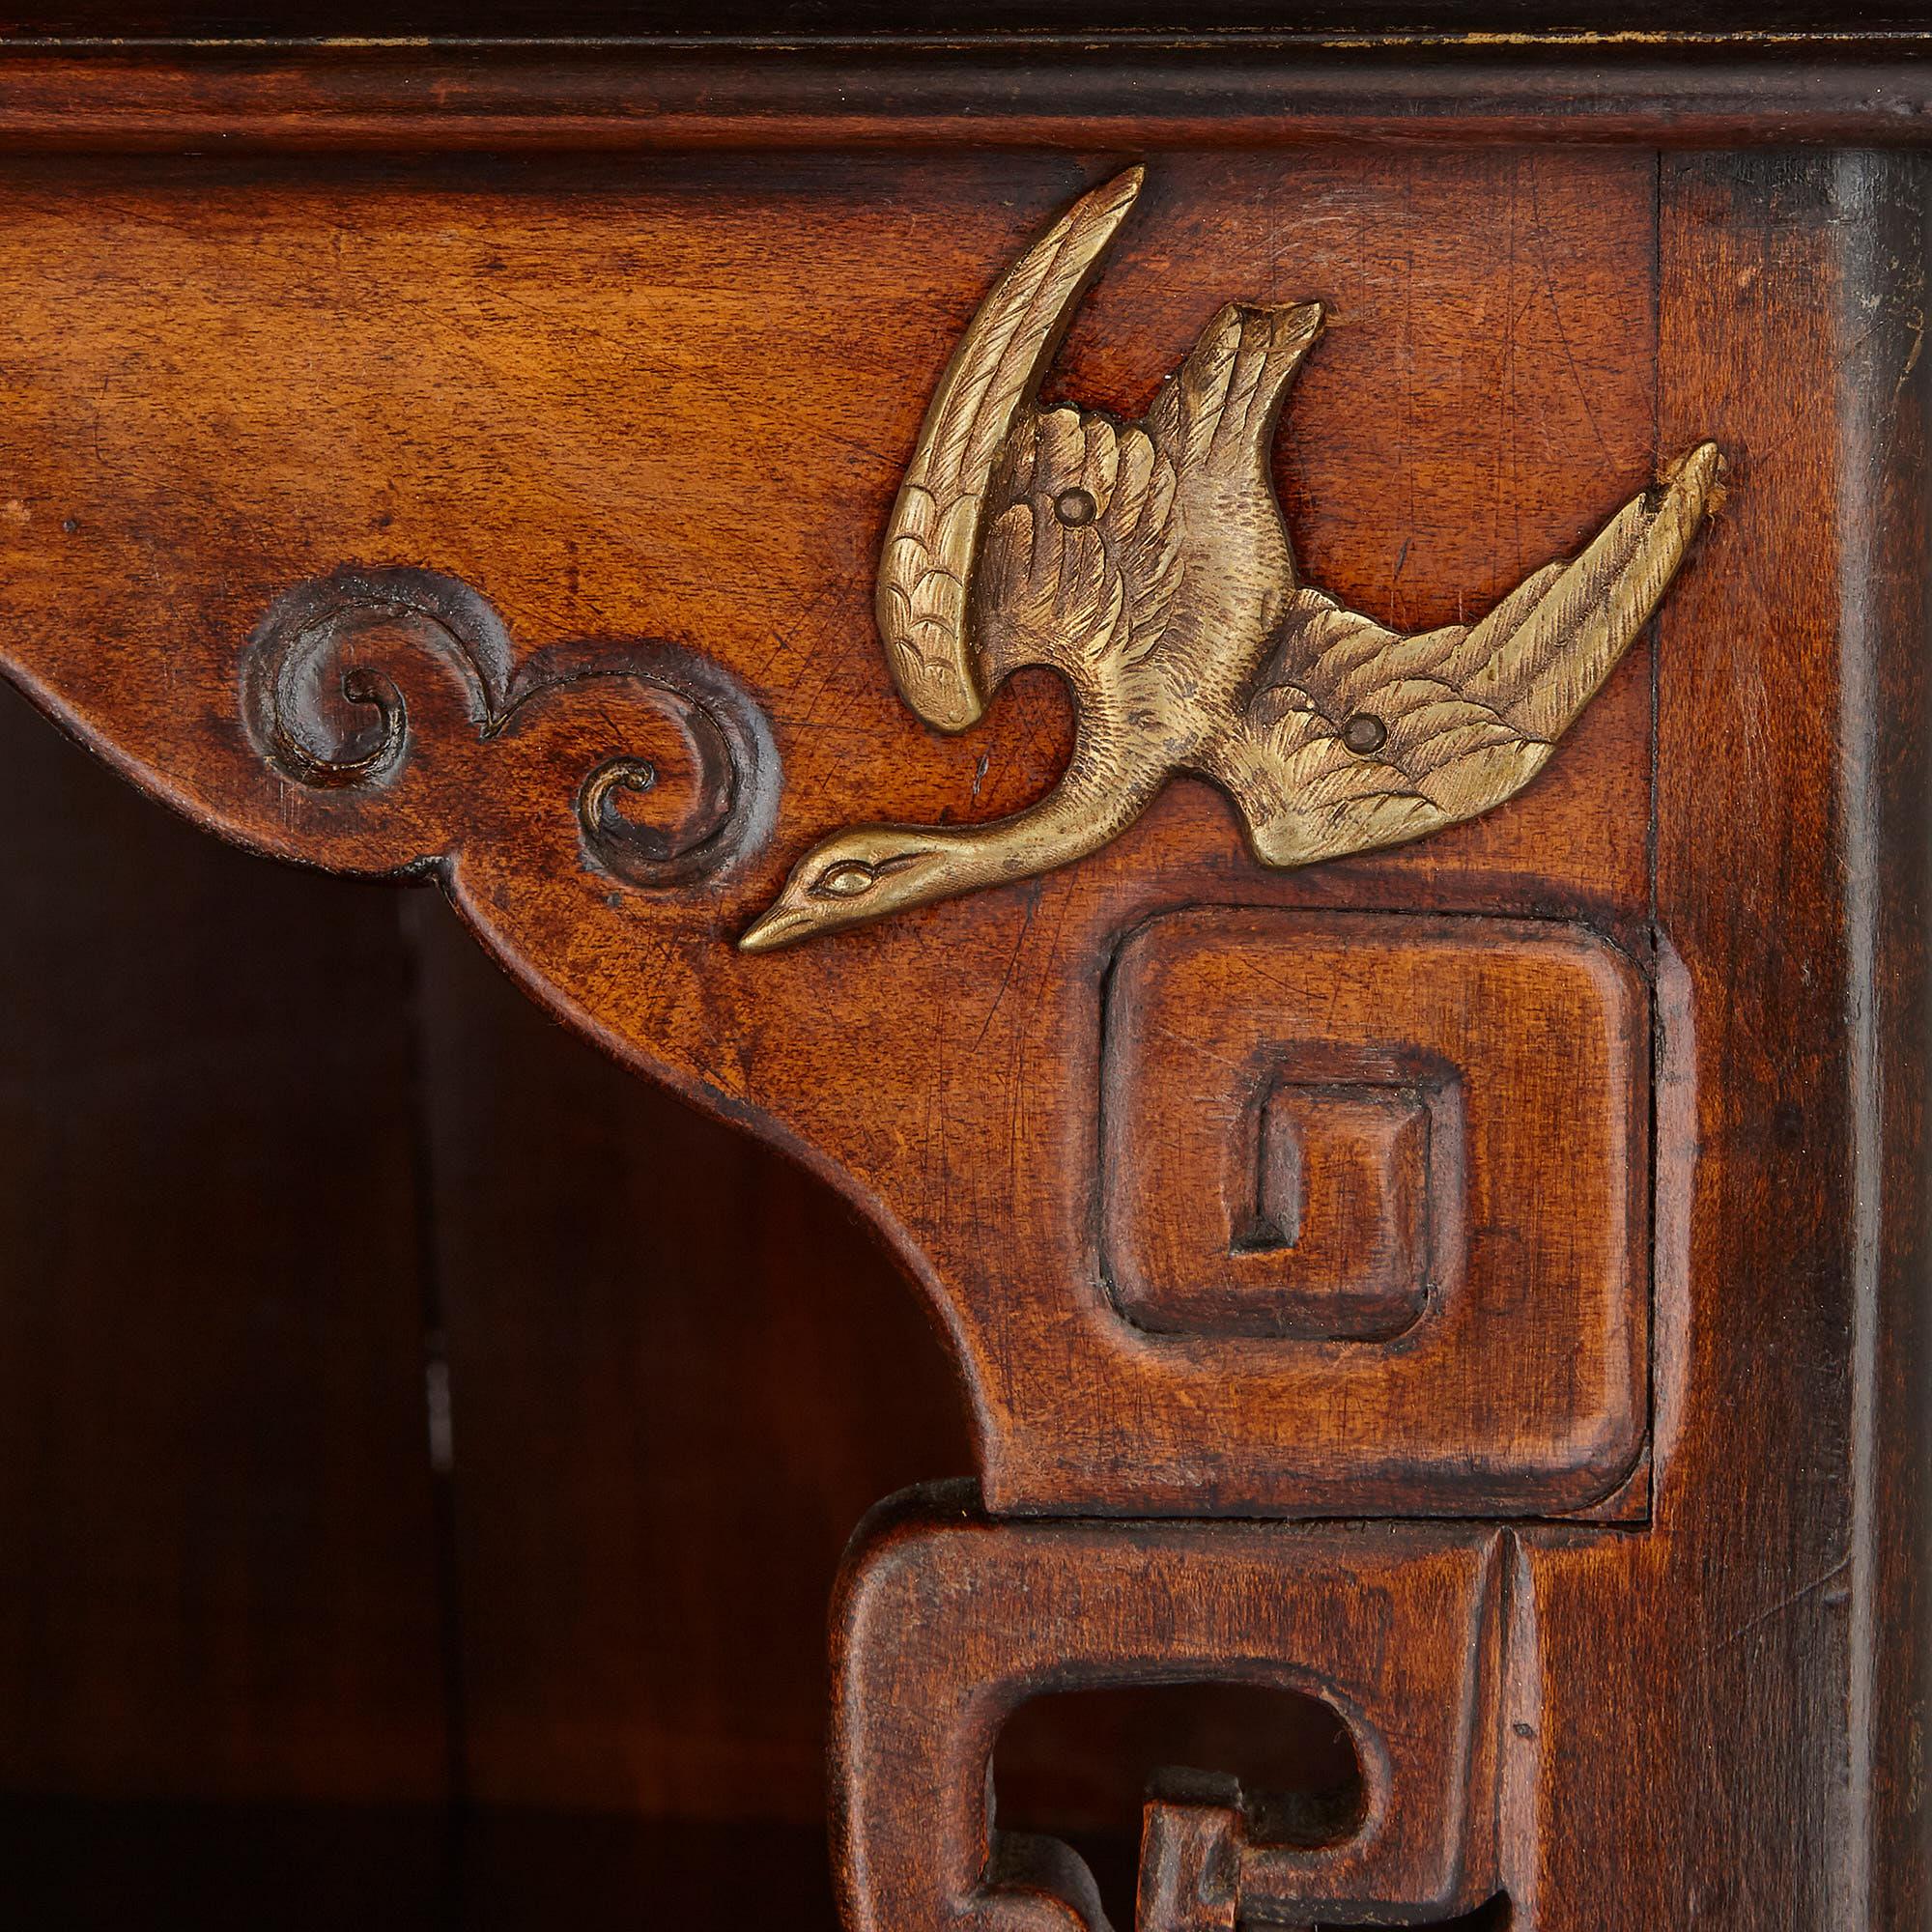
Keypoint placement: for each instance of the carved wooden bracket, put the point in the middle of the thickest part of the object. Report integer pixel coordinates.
(597, 810)
(322, 699)
(1099, 1216)
(947, 1622)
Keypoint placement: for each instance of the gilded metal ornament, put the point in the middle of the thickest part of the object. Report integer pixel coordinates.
(1149, 564)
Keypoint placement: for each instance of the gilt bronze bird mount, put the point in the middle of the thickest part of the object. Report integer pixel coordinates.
(1149, 564)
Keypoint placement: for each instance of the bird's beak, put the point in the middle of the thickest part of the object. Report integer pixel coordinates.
(780, 926)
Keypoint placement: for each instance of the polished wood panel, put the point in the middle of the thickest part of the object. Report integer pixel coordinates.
(346, 432)
(1768, 1624)
(793, 24)
(680, 1372)
(221, 1540)
(218, 1551)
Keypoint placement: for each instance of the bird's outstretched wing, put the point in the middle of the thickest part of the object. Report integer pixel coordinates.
(926, 562)
(1362, 737)
(1085, 561)
(1103, 522)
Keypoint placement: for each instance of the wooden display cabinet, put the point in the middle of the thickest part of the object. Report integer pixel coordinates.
(1368, 979)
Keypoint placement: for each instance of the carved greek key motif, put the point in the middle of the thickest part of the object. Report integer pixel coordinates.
(1150, 566)
(324, 701)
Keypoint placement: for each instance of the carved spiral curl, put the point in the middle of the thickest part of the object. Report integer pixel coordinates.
(296, 681)
(299, 680)
(735, 759)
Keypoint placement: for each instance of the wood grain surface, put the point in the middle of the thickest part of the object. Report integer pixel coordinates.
(680, 1372)
(1519, 1381)
(660, 408)
(338, 428)
(1683, 82)
(217, 1529)
(946, 1623)
(1781, 1575)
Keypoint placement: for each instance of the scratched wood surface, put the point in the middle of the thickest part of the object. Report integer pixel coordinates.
(1781, 1577)
(600, 396)
(621, 426)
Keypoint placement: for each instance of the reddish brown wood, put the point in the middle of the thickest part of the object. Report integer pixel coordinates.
(680, 1372)
(98, 1867)
(1769, 1619)
(608, 454)
(934, 1149)
(1078, 94)
(1514, 1377)
(218, 1551)
(947, 1622)
(222, 1554)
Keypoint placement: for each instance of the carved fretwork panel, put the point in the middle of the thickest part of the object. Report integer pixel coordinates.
(1383, 1091)
(948, 1622)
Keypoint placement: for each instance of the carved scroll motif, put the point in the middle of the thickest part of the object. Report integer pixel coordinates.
(323, 703)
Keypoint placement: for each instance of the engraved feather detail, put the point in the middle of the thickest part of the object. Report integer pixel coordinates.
(1465, 716)
(1150, 566)
(927, 563)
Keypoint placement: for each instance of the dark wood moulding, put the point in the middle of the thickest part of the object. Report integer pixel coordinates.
(1092, 92)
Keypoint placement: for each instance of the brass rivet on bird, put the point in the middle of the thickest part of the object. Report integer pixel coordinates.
(1182, 625)
(1364, 732)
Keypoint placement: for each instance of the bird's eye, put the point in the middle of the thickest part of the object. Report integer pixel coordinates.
(844, 881)
(1075, 506)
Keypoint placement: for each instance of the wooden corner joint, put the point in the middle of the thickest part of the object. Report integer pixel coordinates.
(948, 1621)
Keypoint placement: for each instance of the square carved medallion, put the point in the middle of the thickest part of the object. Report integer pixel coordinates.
(1411, 1149)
